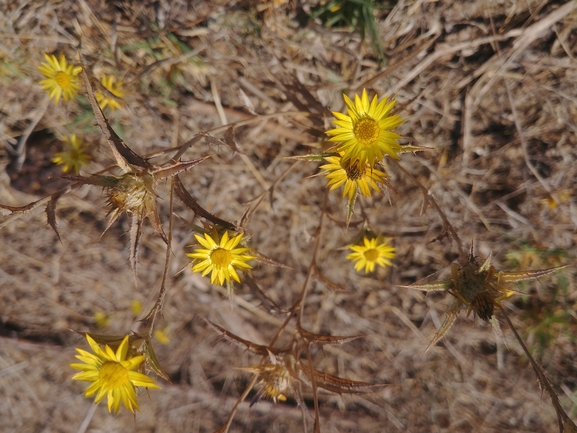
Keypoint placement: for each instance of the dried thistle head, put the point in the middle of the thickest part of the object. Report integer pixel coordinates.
(478, 287)
(132, 193)
(276, 380)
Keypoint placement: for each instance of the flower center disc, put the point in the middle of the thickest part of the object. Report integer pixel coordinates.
(371, 255)
(113, 375)
(62, 79)
(366, 130)
(221, 258)
(354, 171)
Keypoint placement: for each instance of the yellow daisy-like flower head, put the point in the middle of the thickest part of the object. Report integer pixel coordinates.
(354, 175)
(372, 252)
(112, 375)
(61, 78)
(113, 92)
(221, 257)
(73, 156)
(365, 133)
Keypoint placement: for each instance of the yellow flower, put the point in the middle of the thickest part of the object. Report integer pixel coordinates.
(365, 134)
(112, 374)
(220, 257)
(113, 91)
(73, 156)
(61, 78)
(354, 175)
(373, 252)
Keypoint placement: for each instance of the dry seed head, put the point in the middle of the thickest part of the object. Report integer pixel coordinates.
(478, 287)
(134, 194)
(355, 169)
(483, 305)
(275, 381)
(276, 377)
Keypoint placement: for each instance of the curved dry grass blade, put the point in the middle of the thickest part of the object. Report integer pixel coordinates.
(198, 210)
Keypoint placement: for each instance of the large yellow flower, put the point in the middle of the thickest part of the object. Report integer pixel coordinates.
(354, 175)
(61, 78)
(365, 134)
(113, 92)
(222, 258)
(112, 374)
(372, 252)
(73, 156)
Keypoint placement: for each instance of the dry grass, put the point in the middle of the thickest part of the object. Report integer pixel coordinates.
(488, 86)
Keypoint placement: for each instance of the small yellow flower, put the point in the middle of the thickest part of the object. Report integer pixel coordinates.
(354, 175)
(365, 134)
(373, 252)
(111, 95)
(136, 307)
(101, 319)
(112, 374)
(222, 258)
(73, 156)
(61, 78)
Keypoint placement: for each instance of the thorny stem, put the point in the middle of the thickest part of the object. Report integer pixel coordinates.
(184, 147)
(299, 304)
(225, 427)
(314, 386)
(255, 202)
(429, 199)
(562, 417)
(313, 265)
(150, 318)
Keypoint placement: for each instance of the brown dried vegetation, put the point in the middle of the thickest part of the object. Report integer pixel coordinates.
(488, 87)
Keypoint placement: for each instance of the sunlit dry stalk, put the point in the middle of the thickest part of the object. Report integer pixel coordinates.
(566, 425)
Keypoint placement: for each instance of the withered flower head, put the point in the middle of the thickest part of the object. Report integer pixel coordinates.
(478, 287)
(276, 380)
(132, 193)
